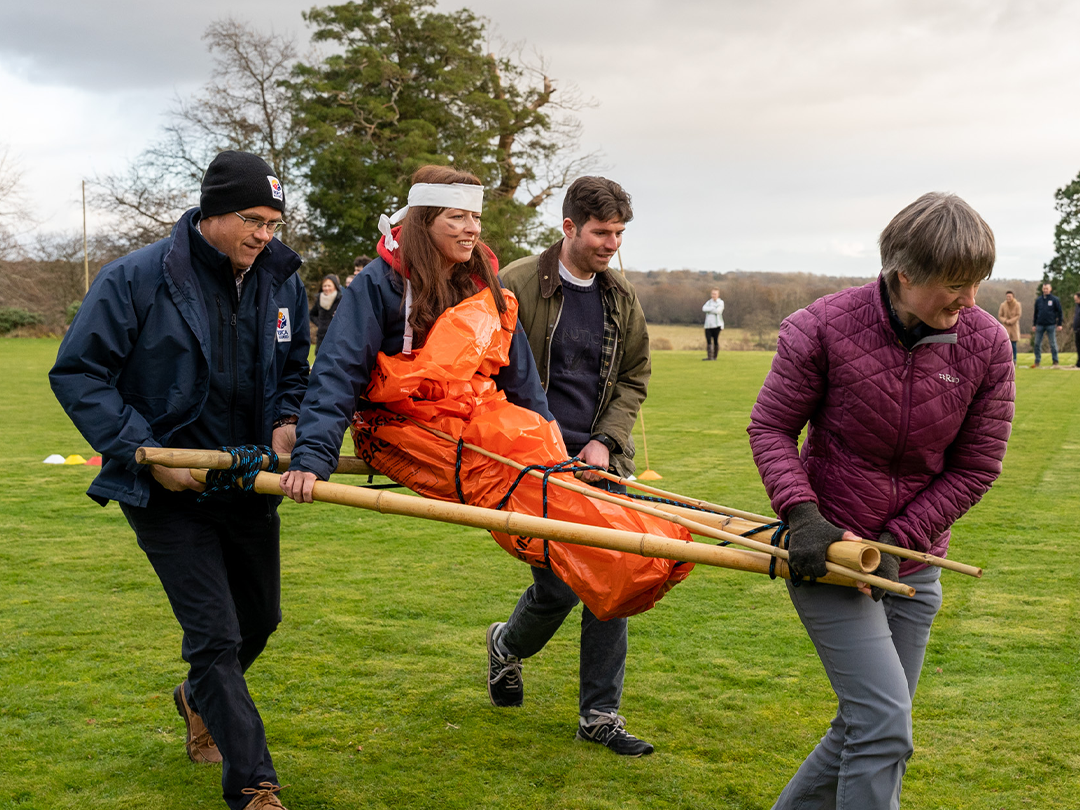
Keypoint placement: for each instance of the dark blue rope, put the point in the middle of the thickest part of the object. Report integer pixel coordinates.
(246, 464)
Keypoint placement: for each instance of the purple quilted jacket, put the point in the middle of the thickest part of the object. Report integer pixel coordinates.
(897, 440)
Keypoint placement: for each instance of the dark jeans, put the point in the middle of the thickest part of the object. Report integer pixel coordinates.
(1051, 338)
(1013, 342)
(541, 611)
(220, 566)
(712, 339)
(1076, 340)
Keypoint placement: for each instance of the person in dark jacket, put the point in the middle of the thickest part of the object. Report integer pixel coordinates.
(387, 309)
(322, 311)
(199, 341)
(1076, 326)
(588, 336)
(908, 391)
(1048, 320)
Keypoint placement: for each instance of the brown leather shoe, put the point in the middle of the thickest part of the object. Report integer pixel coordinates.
(265, 797)
(199, 744)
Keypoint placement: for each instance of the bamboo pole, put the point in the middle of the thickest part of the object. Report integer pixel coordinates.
(733, 523)
(220, 460)
(922, 556)
(635, 483)
(513, 523)
(845, 555)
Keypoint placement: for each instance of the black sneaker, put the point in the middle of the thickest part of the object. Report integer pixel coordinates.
(612, 732)
(504, 673)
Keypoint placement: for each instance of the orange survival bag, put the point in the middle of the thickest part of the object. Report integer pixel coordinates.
(447, 385)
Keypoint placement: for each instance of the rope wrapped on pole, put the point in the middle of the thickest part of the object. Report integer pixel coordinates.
(221, 460)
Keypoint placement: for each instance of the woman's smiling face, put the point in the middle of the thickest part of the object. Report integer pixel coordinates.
(455, 232)
(937, 304)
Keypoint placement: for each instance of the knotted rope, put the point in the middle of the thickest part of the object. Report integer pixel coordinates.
(246, 464)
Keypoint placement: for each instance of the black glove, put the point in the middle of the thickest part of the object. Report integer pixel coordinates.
(809, 539)
(889, 568)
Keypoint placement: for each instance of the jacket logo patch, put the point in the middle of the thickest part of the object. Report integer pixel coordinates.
(275, 188)
(949, 378)
(284, 328)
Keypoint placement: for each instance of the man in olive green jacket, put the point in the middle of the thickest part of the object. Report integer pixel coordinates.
(587, 332)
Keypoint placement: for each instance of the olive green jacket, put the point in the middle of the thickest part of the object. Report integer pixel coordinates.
(625, 365)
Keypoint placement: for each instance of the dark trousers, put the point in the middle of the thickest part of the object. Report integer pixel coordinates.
(1076, 340)
(543, 608)
(713, 339)
(221, 569)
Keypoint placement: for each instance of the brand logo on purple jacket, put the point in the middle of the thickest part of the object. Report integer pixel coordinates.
(949, 378)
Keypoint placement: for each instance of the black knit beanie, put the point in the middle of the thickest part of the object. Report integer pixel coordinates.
(238, 180)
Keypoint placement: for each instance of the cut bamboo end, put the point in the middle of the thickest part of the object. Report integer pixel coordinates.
(853, 555)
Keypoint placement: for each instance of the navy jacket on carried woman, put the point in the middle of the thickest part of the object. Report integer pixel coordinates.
(370, 319)
(134, 368)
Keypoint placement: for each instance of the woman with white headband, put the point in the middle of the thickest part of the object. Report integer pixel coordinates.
(426, 338)
(429, 262)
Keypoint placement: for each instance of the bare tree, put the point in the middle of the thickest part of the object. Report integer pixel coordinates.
(244, 106)
(12, 200)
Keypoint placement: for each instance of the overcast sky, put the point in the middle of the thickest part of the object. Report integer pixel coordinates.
(770, 135)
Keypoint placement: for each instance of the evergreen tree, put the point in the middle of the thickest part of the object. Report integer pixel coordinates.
(1063, 271)
(408, 86)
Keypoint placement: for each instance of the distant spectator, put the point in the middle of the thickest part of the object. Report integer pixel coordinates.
(1048, 321)
(359, 263)
(322, 311)
(1076, 326)
(1009, 315)
(714, 323)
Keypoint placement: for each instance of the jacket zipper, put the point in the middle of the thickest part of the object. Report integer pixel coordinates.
(551, 337)
(905, 423)
(235, 340)
(221, 336)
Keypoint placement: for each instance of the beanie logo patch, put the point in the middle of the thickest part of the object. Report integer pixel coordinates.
(284, 328)
(275, 187)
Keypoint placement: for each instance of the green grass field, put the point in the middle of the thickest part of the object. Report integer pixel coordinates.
(373, 687)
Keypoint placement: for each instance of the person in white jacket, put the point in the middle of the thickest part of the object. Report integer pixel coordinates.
(714, 323)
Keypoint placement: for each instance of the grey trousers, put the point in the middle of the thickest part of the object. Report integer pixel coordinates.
(873, 653)
(541, 610)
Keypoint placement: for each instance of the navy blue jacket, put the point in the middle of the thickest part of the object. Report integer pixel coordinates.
(135, 365)
(1047, 311)
(370, 320)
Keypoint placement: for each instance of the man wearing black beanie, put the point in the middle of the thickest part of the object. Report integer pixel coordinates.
(201, 340)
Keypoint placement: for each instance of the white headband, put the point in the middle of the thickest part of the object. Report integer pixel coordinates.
(465, 196)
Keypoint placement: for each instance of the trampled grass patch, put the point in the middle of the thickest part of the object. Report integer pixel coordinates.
(373, 688)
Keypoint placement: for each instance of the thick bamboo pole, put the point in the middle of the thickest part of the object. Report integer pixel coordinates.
(645, 545)
(220, 460)
(841, 572)
(844, 555)
(736, 524)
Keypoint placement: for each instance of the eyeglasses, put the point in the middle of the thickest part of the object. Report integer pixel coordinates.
(254, 225)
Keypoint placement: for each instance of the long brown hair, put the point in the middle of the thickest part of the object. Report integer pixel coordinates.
(434, 289)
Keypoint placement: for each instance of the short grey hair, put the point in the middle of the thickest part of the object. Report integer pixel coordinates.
(938, 238)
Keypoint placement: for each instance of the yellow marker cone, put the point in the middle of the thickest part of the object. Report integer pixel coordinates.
(75, 459)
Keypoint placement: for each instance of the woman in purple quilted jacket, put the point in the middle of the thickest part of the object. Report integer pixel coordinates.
(907, 388)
